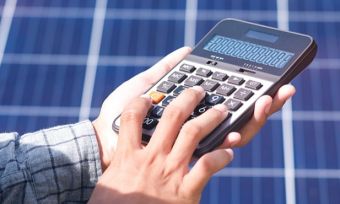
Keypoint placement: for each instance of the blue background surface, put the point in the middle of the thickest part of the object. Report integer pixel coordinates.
(45, 58)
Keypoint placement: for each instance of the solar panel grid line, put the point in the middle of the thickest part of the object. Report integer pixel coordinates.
(287, 122)
(106, 60)
(168, 14)
(190, 23)
(278, 172)
(92, 62)
(5, 24)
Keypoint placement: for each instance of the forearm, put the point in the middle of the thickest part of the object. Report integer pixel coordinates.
(50, 166)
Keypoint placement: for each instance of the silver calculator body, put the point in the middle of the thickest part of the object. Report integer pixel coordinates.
(236, 63)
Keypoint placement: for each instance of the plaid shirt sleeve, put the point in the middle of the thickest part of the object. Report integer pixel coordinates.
(57, 165)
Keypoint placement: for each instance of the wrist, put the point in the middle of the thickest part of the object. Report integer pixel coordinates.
(106, 140)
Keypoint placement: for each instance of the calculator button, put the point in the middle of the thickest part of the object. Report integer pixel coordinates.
(243, 94)
(167, 100)
(219, 76)
(177, 77)
(187, 68)
(193, 81)
(233, 105)
(235, 80)
(156, 97)
(210, 85)
(149, 123)
(214, 99)
(203, 72)
(166, 87)
(225, 89)
(200, 109)
(179, 90)
(253, 85)
(157, 111)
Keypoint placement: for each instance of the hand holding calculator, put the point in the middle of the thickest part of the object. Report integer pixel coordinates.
(236, 63)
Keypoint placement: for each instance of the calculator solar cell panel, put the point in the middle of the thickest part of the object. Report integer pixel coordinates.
(44, 63)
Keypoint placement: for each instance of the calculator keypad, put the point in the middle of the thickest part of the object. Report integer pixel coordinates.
(232, 90)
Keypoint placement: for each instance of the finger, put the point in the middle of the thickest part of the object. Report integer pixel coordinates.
(210, 163)
(162, 67)
(194, 131)
(282, 95)
(131, 121)
(231, 140)
(261, 113)
(175, 114)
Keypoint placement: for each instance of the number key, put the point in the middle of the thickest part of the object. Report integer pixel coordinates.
(149, 123)
(214, 99)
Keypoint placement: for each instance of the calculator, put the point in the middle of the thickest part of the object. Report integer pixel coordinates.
(236, 63)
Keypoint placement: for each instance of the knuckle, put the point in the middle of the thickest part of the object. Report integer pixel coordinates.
(173, 112)
(191, 129)
(131, 115)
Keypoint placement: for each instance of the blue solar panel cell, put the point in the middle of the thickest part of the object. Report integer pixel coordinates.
(56, 3)
(314, 5)
(265, 150)
(237, 5)
(142, 38)
(316, 191)
(147, 4)
(244, 190)
(49, 36)
(26, 124)
(325, 33)
(317, 90)
(317, 144)
(38, 85)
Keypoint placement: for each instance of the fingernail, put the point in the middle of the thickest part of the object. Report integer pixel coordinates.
(199, 89)
(234, 139)
(221, 107)
(146, 96)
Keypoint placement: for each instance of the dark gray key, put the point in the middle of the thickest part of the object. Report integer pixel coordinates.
(200, 109)
(253, 85)
(187, 68)
(157, 111)
(219, 76)
(179, 90)
(225, 89)
(177, 77)
(233, 105)
(193, 81)
(167, 100)
(210, 85)
(203, 72)
(243, 94)
(235, 80)
(214, 99)
(149, 123)
(166, 87)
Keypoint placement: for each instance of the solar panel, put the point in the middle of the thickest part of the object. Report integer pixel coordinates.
(46, 80)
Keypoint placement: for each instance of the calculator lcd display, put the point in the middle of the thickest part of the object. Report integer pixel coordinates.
(249, 51)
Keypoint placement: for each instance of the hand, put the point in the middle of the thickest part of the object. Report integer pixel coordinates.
(115, 102)
(159, 172)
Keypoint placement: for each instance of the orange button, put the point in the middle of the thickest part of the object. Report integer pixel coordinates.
(156, 96)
